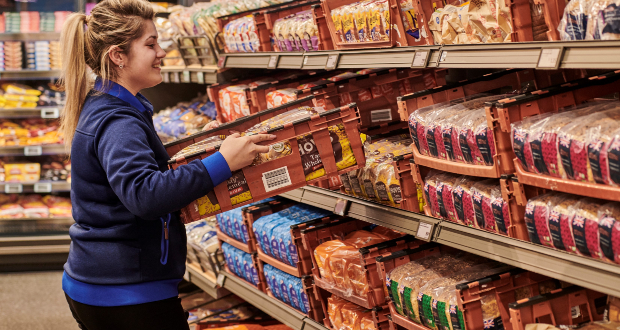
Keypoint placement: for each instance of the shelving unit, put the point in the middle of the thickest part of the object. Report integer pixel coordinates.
(191, 74)
(48, 149)
(39, 112)
(35, 36)
(35, 187)
(29, 74)
(33, 252)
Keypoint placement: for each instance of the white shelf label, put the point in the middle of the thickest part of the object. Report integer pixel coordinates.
(381, 115)
(425, 231)
(220, 280)
(201, 77)
(166, 77)
(342, 206)
(444, 54)
(33, 151)
(420, 59)
(332, 61)
(186, 77)
(50, 113)
(221, 62)
(549, 58)
(176, 78)
(45, 187)
(273, 62)
(13, 188)
(305, 60)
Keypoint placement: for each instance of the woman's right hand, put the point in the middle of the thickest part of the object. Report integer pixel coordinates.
(240, 151)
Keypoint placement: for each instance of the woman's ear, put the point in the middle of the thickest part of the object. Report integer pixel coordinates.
(117, 56)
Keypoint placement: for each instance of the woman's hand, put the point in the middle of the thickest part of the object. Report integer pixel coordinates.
(211, 125)
(240, 151)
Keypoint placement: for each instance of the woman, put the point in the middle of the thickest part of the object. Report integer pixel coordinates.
(128, 246)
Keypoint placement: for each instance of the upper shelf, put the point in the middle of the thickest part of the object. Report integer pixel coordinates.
(46, 149)
(192, 74)
(525, 55)
(29, 74)
(583, 271)
(34, 36)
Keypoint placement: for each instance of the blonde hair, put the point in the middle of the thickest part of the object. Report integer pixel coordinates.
(111, 23)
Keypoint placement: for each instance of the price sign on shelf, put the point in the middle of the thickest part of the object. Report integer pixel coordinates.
(342, 206)
(33, 151)
(273, 62)
(165, 77)
(221, 62)
(201, 77)
(50, 113)
(305, 60)
(425, 231)
(550, 58)
(43, 187)
(220, 280)
(176, 78)
(13, 188)
(186, 77)
(420, 59)
(332, 61)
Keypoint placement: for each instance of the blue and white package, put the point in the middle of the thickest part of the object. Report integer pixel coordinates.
(304, 304)
(228, 256)
(251, 273)
(237, 221)
(284, 239)
(293, 292)
(270, 275)
(283, 280)
(238, 257)
(229, 224)
(259, 230)
(276, 238)
(267, 232)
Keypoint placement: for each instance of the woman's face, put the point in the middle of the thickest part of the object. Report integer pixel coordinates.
(142, 69)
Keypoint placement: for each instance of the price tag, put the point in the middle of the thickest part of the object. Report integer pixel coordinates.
(13, 188)
(425, 231)
(273, 62)
(443, 56)
(166, 77)
(221, 62)
(50, 113)
(342, 206)
(550, 58)
(305, 60)
(176, 78)
(186, 77)
(201, 77)
(220, 280)
(43, 187)
(332, 61)
(420, 59)
(33, 151)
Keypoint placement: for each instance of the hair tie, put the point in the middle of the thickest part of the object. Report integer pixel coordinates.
(87, 19)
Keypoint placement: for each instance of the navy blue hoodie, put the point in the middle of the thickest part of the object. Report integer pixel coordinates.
(128, 245)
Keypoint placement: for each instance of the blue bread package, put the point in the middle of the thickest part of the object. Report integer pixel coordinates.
(284, 228)
(285, 240)
(238, 257)
(251, 272)
(282, 280)
(293, 292)
(267, 236)
(228, 224)
(304, 304)
(270, 275)
(226, 249)
(237, 222)
(259, 230)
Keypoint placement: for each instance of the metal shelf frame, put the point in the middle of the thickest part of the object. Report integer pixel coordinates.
(39, 112)
(587, 272)
(34, 187)
(47, 149)
(190, 74)
(590, 54)
(29, 74)
(33, 36)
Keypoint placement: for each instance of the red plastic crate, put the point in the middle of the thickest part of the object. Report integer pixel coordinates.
(375, 296)
(290, 165)
(548, 12)
(315, 311)
(379, 314)
(569, 306)
(408, 188)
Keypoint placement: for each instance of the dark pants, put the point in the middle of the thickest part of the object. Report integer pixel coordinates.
(159, 315)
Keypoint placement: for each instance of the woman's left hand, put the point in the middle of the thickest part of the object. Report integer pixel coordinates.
(211, 125)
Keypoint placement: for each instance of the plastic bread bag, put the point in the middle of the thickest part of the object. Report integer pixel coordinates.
(282, 119)
(560, 223)
(238, 259)
(348, 23)
(361, 22)
(462, 199)
(334, 307)
(429, 130)
(409, 19)
(275, 35)
(259, 231)
(476, 139)
(445, 183)
(293, 293)
(270, 276)
(483, 20)
(443, 133)
(336, 15)
(250, 270)
(599, 141)
(375, 26)
(519, 135)
(386, 20)
(367, 177)
(481, 200)
(322, 253)
(338, 263)
(395, 276)
(278, 235)
(430, 193)
(585, 228)
(574, 21)
(362, 238)
(435, 24)
(387, 185)
(252, 36)
(609, 231)
(417, 124)
(604, 14)
(450, 25)
(299, 300)
(500, 212)
(352, 316)
(280, 97)
(284, 33)
(537, 213)
(491, 316)
(367, 322)
(355, 279)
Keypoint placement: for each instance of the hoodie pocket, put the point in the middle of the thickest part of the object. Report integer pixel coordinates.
(165, 241)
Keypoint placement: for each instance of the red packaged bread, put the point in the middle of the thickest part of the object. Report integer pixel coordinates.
(462, 199)
(609, 231)
(481, 201)
(585, 228)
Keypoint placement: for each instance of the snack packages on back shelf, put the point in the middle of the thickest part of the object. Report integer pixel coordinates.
(240, 36)
(33, 131)
(231, 222)
(34, 206)
(467, 200)
(376, 180)
(273, 232)
(202, 234)
(345, 315)
(365, 21)
(286, 288)
(240, 263)
(233, 101)
(589, 20)
(339, 261)
(456, 131)
(297, 32)
(22, 172)
(576, 224)
(582, 144)
(184, 119)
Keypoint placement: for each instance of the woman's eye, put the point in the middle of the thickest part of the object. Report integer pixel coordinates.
(153, 45)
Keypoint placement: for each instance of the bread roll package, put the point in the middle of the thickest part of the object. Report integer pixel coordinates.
(450, 25)
(483, 20)
(435, 24)
(609, 231)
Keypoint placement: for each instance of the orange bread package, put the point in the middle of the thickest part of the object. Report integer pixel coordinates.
(334, 307)
(339, 262)
(367, 323)
(321, 256)
(362, 238)
(387, 232)
(352, 315)
(355, 279)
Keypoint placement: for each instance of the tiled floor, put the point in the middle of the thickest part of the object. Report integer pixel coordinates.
(34, 301)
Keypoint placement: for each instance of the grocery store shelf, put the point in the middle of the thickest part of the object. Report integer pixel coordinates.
(34, 36)
(34, 187)
(22, 226)
(569, 55)
(33, 252)
(191, 74)
(48, 149)
(29, 74)
(583, 271)
(205, 281)
(278, 310)
(41, 112)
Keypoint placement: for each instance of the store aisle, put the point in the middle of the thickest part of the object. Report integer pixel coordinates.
(34, 301)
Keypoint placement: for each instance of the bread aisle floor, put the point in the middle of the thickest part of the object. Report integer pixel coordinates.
(34, 301)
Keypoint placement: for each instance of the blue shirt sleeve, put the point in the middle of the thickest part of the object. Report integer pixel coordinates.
(217, 167)
(135, 177)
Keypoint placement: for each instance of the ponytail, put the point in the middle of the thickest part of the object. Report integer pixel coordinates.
(86, 52)
(74, 75)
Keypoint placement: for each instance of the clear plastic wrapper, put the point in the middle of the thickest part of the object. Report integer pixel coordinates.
(585, 228)
(520, 132)
(537, 217)
(417, 125)
(482, 193)
(445, 183)
(609, 231)
(602, 20)
(462, 199)
(213, 141)
(574, 20)
(395, 276)
(434, 24)
(430, 193)
(602, 148)
(280, 97)
(483, 20)
(451, 25)
(560, 223)
(334, 307)
(352, 315)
